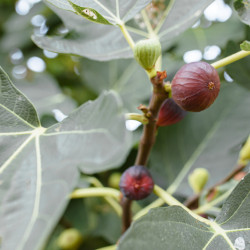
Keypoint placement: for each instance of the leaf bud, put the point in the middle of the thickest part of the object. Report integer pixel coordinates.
(146, 53)
(198, 179)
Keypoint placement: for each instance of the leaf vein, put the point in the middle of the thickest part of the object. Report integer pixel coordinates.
(236, 209)
(14, 114)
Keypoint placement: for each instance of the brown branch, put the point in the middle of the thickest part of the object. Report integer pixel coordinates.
(148, 136)
(193, 201)
(126, 215)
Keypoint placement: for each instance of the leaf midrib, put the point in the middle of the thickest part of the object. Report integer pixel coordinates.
(35, 211)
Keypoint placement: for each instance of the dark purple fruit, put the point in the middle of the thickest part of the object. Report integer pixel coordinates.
(195, 86)
(136, 183)
(170, 113)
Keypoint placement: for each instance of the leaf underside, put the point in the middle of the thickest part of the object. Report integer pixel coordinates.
(38, 166)
(107, 42)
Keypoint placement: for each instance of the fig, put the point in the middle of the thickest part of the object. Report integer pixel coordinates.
(70, 239)
(136, 183)
(146, 53)
(195, 86)
(170, 113)
(244, 156)
(114, 180)
(198, 179)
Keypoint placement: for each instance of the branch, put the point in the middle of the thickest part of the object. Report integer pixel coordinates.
(148, 136)
(126, 213)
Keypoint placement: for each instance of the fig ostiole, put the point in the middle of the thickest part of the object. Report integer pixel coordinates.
(136, 183)
(195, 86)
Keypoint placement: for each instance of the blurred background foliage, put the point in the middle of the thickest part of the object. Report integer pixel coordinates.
(57, 83)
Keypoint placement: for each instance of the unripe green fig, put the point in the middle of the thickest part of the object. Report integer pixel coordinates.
(198, 179)
(146, 53)
(70, 239)
(195, 86)
(244, 157)
(114, 180)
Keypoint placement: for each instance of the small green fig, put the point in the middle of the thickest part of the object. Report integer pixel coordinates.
(114, 180)
(244, 156)
(198, 179)
(70, 239)
(146, 53)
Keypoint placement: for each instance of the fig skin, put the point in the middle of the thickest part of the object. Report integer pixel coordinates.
(136, 183)
(170, 113)
(146, 52)
(195, 86)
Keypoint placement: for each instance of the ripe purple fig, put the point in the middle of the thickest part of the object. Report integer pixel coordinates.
(136, 183)
(170, 113)
(195, 86)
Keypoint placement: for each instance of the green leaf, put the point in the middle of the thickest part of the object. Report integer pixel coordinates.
(89, 14)
(243, 9)
(209, 139)
(235, 210)
(44, 92)
(97, 42)
(238, 70)
(110, 44)
(115, 12)
(125, 77)
(175, 228)
(245, 46)
(109, 41)
(181, 15)
(17, 113)
(166, 228)
(39, 166)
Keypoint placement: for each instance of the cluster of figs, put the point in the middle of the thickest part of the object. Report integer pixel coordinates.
(194, 88)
